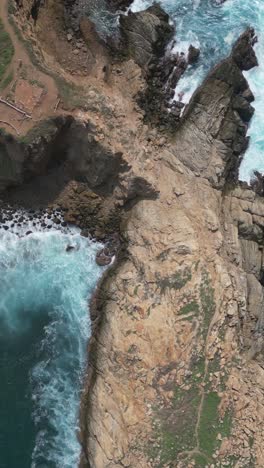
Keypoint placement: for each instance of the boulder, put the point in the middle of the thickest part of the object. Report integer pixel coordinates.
(193, 54)
(119, 4)
(145, 34)
(243, 53)
(102, 258)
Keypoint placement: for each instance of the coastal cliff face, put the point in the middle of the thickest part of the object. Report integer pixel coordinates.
(175, 374)
(177, 378)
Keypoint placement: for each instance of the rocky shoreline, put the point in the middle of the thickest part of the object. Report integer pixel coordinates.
(177, 344)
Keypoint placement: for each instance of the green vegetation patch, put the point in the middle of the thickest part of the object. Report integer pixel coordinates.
(191, 307)
(175, 431)
(211, 425)
(7, 80)
(200, 461)
(208, 427)
(207, 300)
(6, 52)
(175, 281)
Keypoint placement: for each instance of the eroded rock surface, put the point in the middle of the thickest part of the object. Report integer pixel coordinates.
(175, 373)
(175, 360)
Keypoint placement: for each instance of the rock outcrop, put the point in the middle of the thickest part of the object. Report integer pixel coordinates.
(119, 4)
(171, 369)
(175, 374)
(145, 34)
(217, 117)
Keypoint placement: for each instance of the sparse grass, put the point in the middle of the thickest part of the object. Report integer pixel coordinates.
(3, 132)
(177, 431)
(189, 308)
(37, 83)
(71, 95)
(45, 127)
(6, 53)
(209, 426)
(6, 81)
(207, 301)
(175, 281)
(200, 461)
(176, 426)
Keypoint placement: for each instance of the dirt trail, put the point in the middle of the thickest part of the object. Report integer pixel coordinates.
(37, 93)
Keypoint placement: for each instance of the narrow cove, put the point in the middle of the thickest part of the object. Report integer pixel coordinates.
(47, 279)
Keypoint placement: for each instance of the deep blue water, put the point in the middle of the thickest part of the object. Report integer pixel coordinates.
(214, 27)
(44, 330)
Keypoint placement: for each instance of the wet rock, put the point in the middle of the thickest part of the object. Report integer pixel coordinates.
(243, 53)
(243, 107)
(193, 54)
(257, 183)
(102, 258)
(69, 248)
(248, 95)
(119, 4)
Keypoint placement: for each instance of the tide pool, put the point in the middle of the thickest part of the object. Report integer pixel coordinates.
(213, 27)
(44, 294)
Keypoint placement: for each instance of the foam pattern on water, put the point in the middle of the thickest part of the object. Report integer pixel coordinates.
(41, 274)
(214, 26)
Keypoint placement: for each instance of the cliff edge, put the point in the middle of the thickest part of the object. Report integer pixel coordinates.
(174, 375)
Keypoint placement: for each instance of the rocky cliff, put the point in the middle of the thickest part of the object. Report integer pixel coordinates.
(175, 376)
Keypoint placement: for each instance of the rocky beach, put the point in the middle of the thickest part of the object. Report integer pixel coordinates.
(139, 250)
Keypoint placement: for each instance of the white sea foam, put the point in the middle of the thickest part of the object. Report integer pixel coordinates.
(214, 27)
(39, 276)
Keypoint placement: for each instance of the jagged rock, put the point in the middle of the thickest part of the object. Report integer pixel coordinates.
(119, 4)
(257, 183)
(193, 54)
(243, 53)
(255, 296)
(248, 95)
(102, 258)
(225, 121)
(243, 107)
(145, 34)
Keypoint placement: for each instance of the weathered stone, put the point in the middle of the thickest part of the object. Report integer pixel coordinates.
(145, 34)
(193, 54)
(255, 296)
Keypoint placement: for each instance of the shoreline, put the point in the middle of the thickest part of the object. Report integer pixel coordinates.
(176, 316)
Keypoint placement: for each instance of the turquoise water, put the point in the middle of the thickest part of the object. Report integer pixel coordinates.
(214, 27)
(44, 330)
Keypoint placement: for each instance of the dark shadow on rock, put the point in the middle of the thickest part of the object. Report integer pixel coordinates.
(52, 154)
(139, 189)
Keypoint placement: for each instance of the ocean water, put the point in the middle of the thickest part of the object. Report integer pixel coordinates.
(44, 331)
(214, 26)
